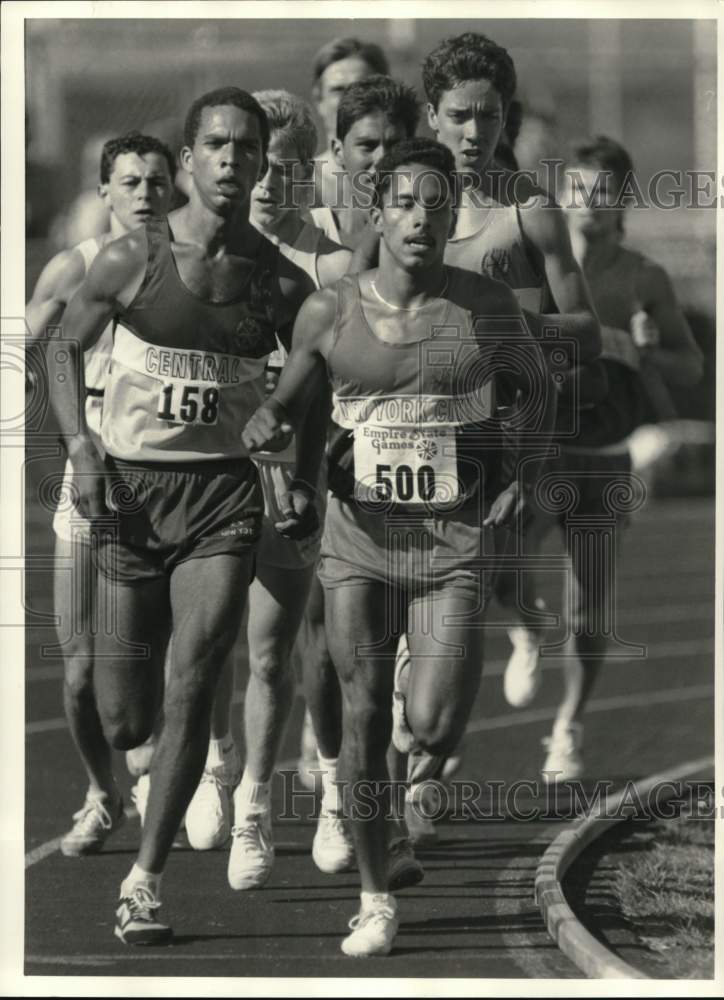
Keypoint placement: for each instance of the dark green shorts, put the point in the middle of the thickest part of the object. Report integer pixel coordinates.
(165, 514)
(421, 554)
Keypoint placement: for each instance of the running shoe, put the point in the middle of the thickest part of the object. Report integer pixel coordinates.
(403, 868)
(139, 795)
(208, 817)
(136, 921)
(308, 763)
(332, 848)
(522, 674)
(252, 852)
(92, 826)
(373, 930)
(402, 736)
(564, 760)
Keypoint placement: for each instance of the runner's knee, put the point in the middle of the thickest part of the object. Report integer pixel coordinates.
(271, 667)
(128, 732)
(436, 730)
(78, 677)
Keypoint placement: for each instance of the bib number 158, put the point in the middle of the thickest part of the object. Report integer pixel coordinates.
(189, 404)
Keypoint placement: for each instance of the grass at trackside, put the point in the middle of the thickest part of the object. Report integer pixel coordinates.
(666, 892)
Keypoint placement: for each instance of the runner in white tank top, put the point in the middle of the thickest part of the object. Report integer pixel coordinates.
(284, 566)
(136, 183)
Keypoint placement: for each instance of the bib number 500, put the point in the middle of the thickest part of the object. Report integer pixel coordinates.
(405, 483)
(188, 404)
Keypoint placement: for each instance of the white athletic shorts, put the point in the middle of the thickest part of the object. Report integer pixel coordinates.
(68, 523)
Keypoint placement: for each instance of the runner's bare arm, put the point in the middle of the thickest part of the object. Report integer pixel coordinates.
(333, 265)
(676, 354)
(54, 289)
(298, 505)
(544, 226)
(312, 438)
(112, 280)
(304, 375)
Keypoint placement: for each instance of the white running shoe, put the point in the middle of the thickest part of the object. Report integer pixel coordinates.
(308, 762)
(332, 848)
(402, 736)
(251, 858)
(403, 868)
(373, 930)
(208, 817)
(92, 826)
(522, 673)
(564, 761)
(139, 795)
(136, 920)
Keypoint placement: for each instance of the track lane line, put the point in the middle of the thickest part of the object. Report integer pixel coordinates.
(493, 668)
(642, 699)
(657, 614)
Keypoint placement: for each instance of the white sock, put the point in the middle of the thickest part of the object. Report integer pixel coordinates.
(219, 751)
(137, 876)
(252, 796)
(371, 900)
(331, 792)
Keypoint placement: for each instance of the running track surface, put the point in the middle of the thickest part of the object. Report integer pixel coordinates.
(474, 915)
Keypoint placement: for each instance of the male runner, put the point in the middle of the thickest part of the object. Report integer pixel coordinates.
(198, 298)
(411, 350)
(371, 116)
(136, 184)
(645, 336)
(510, 231)
(338, 64)
(284, 566)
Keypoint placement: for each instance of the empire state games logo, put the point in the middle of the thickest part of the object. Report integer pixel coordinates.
(426, 449)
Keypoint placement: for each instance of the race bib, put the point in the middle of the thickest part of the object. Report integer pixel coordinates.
(406, 465)
(189, 403)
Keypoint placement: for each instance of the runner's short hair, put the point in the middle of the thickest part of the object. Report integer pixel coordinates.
(133, 142)
(342, 48)
(378, 93)
(217, 98)
(601, 153)
(606, 155)
(290, 116)
(418, 150)
(469, 56)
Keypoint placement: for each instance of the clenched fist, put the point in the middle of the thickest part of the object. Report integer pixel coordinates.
(268, 429)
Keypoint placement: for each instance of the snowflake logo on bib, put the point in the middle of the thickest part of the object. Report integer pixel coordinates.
(426, 449)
